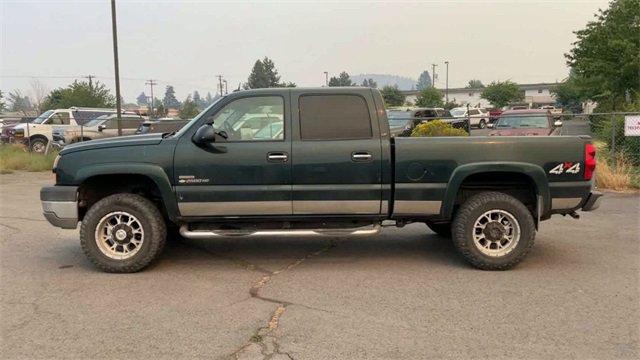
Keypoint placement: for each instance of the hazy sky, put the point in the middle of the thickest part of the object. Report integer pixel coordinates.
(187, 43)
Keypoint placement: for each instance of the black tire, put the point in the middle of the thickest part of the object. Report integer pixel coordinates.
(442, 229)
(483, 124)
(38, 145)
(471, 210)
(151, 221)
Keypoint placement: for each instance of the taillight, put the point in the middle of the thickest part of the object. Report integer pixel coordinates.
(589, 160)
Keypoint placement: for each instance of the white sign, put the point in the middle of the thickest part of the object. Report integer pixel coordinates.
(632, 125)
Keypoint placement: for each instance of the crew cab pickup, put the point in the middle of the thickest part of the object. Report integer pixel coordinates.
(295, 161)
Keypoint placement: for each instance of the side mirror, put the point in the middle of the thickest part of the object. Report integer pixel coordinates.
(490, 125)
(102, 127)
(204, 135)
(558, 123)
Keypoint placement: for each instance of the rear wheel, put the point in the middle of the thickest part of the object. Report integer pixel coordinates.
(483, 124)
(123, 233)
(493, 231)
(442, 229)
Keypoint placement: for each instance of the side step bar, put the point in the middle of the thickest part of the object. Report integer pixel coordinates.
(207, 234)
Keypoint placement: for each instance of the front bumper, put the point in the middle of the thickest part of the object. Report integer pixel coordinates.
(593, 201)
(59, 205)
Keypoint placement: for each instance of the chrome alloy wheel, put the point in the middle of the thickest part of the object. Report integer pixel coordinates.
(119, 235)
(496, 233)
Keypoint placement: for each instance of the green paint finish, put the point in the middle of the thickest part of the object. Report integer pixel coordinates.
(430, 170)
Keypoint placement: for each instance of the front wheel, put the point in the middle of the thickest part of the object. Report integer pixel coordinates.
(493, 231)
(38, 145)
(123, 233)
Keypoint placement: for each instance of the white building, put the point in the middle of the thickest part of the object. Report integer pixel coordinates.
(534, 95)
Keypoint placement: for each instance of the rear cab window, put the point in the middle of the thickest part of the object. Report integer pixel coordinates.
(334, 117)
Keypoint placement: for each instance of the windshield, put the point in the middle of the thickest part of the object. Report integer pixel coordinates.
(94, 122)
(515, 122)
(399, 122)
(396, 114)
(458, 112)
(44, 116)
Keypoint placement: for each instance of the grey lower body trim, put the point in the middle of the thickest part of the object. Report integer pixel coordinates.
(302, 207)
(565, 203)
(417, 207)
(63, 214)
(230, 208)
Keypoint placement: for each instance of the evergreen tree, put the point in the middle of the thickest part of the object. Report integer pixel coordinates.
(342, 80)
(169, 101)
(424, 81)
(263, 75)
(142, 99)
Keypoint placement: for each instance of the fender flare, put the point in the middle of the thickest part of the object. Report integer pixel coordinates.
(153, 172)
(533, 172)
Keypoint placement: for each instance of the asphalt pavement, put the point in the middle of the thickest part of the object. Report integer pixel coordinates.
(403, 294)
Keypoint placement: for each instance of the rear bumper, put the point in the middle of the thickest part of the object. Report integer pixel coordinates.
(59, 205)
(593, 201)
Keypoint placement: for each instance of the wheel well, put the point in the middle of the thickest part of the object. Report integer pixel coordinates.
(518, 185)
(98, 187)
(41, 137)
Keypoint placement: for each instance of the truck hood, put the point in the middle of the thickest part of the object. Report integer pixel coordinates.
(132, 140)
(520, 132)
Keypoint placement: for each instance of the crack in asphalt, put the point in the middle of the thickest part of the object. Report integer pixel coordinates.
(263, 340)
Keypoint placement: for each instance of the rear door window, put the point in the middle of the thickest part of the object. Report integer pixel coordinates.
(334, 117)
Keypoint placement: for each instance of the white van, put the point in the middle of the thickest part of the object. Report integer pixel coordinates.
(37, 133)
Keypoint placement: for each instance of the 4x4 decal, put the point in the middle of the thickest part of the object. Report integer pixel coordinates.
(566, 167)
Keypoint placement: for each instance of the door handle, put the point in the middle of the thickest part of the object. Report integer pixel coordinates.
(361, 156)
(277, 157)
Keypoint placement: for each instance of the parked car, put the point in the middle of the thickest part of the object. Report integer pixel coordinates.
(334, 171)
(101, 127)
(532, 122)
(6, 126)
(403, 121)
(494, 114)
(477, 117)
(519, 107)
(39, 132)
(160, 126)
(555, 111)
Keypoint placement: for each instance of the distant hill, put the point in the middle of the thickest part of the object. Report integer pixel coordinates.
(404, 83)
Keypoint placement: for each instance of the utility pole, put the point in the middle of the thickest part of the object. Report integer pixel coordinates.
(433, 75)
(90, 77)
(220, 83)
(326, 78)
(446, 91)
(116, 66)
(151, 82)
(226, 87)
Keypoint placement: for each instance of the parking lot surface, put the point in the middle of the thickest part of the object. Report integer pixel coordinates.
(404, 294)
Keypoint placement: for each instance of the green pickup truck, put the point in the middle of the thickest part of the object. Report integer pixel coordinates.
(319, 161)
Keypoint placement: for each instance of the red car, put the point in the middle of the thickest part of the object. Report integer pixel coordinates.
(530, 122)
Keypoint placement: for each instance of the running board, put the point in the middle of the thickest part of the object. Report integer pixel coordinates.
(207, 234)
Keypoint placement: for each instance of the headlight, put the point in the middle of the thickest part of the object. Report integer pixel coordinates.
(55, 163)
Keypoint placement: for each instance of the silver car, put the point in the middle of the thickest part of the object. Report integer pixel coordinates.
(101, 127)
